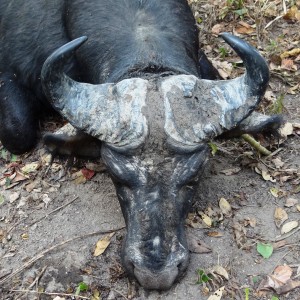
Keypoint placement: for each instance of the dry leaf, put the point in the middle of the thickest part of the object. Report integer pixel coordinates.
(298, 207)
(195, 245)
(280, 216)
(88, 174)
(267, 177)
(287, 129)
(19, 177)
(229, 172)
(225, 207)
(278, 162)
(250, 221)
(100, 167)
(219, 270)
(279, 244)
(32, 185)
(240, 234)
(206, 219)
(216, 29)
(287, 227)
(217, 294)
(215, 234)
(293, 52)
(102, 244)
(30, 168)
(292, 14)
(244, 30)
(288, 64)
(14, 196)
(290, 202)
(280, 280)
(224, 68)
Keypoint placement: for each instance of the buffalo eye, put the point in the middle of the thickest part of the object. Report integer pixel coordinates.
(124, 169)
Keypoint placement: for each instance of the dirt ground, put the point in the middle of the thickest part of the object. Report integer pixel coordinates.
(50, 222)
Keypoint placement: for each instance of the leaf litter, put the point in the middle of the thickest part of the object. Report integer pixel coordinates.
(277, 169)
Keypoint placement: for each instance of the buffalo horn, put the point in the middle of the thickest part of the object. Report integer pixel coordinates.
(214, 107)
(109, 112)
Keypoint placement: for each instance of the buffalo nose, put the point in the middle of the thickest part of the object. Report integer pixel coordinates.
(152, 280)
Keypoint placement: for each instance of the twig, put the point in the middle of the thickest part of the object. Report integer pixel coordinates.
(255, 144)
(53, 211)
(286, 236)
(120, 294)
(46, 251)
(50, 294)
(284, 6)
(36, 280)
(271, 22)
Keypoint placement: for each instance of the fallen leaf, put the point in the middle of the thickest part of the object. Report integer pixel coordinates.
(206, 219)
(293, 52)
(30, 168)
(250, 221)
(224, 68)
(287, 227)
(14, 196)
(298, 207)
(46, 159)
(22, 202)
(25, 236)
(230, 172)
(46, 199)
(279, 244)
(288, 64)
(278, 162)
(290, 202)
(195, 245)
(280, 216)
(78, 177)
(240, 234)
(277, 193)
(219, 270)
(267, 177)
(280, 281)
(102, 244)
(100, 167)
(215, 234)
(292, 14)
(286, 130)
(225, 207)
(217, 294)
(216, 29)
(88, 174)
(31, 186)
(265, 250)
(19, 177)
(244, 30)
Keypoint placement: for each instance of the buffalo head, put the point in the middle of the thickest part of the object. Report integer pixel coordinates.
(153, 135)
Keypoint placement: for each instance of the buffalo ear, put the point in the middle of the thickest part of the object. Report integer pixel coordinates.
(72, 142)
(256, 123)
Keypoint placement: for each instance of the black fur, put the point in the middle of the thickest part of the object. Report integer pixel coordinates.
(126, 38)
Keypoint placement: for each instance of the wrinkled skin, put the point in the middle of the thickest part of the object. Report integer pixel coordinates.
(155, 197)
(138, 102)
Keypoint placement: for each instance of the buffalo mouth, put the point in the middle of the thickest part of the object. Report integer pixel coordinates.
(156, 271)
(162, 280)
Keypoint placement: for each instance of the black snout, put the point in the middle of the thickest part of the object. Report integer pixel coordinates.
(156, 276)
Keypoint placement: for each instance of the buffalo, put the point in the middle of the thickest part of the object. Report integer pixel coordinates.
(129, 78)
